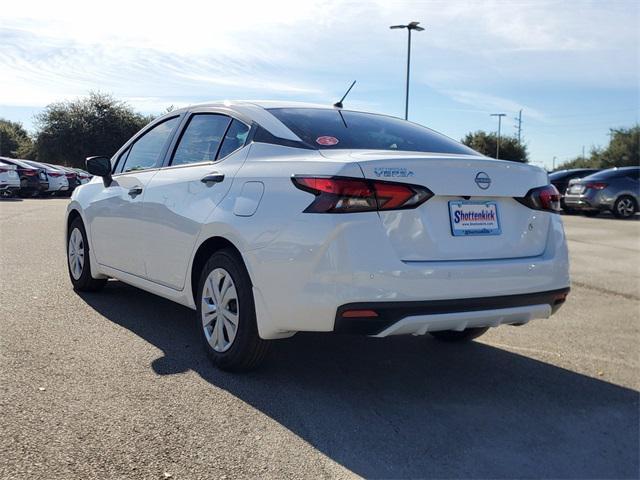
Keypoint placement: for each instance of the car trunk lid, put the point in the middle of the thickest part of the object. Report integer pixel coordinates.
(471, 184)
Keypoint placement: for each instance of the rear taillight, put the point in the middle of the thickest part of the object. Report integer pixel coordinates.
(71, 175)
(350, 195)
(3, 169)
(596, 185)
(542, 198)
(30, 172)
(55, 174)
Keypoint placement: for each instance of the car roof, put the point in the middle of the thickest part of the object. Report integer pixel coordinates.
(256, 111)
(16, 161)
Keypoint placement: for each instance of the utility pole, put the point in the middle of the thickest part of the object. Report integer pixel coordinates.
(410, 26)
(499, 115)
(582, 152)
(554, 163)
(519, 126)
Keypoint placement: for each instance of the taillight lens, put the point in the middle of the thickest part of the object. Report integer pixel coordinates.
(55, 174)
(350, 195)
(30, 173)
(71, 175)
(596, 185)
(542, 198)
(3, 170)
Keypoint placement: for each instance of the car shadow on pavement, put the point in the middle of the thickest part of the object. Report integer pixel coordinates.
(410, 406)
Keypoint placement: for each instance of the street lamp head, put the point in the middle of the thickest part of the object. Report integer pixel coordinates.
(410, 26)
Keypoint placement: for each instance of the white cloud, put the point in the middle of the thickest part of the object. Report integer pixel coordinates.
(492, 103)
(309, 50)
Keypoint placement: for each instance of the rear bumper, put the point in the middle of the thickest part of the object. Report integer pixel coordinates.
(590, 200)
(301, 289)
(418, 318)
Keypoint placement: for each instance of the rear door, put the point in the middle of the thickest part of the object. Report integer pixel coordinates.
(200, 169)
(115, 213)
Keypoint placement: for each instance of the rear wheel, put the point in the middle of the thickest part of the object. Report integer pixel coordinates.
(226, 314)
(625, 207)
(78, 260)
(456, 336)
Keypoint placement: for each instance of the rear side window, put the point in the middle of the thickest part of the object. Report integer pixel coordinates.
(334, 129)
(201, 139)
(235, 138)
(145, 152)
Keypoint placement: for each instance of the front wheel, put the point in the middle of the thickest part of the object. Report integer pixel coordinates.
(78, 260)
(227, 316)
(625, 207)
(456, 336)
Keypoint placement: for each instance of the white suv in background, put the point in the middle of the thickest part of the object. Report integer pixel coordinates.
(273, 218)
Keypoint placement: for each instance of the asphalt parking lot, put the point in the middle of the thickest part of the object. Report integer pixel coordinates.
(115, 385)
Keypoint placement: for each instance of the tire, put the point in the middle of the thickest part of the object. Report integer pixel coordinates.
(454, 336)
(591, 213)
(78, 261)
(625, 207)
(234, 347)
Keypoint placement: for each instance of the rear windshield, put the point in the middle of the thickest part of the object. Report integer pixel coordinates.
(334, 129)
(613, 173)
(562, 174)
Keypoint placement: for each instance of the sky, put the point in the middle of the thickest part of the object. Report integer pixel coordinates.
(572, 67)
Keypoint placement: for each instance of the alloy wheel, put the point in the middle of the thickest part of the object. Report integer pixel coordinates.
(220, 310)
(625, 207)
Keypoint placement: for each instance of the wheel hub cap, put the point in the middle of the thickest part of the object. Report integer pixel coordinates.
(76, 253)
(220, 310)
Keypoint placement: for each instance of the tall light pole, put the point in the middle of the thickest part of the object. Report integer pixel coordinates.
(410, 26)
(499, 115)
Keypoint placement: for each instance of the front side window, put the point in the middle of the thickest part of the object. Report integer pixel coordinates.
(145, 152)
(201, 139)
(336, 129)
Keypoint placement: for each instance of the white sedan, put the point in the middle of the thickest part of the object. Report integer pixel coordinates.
(9, 179)
(274, 218)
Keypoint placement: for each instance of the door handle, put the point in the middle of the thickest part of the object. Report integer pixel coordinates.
(214, 177)
(135, 191)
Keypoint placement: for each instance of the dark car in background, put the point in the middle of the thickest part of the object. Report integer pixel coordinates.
(561, 178)
(33, 180)
(616, 190)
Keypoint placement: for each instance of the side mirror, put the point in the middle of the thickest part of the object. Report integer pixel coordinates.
(100, 166)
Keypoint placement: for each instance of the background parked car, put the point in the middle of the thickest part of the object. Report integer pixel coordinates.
(72, 178)
(83, 177)
(561, 178)
(615, 189)
(32, 180)
(9, 180)
(57, 178)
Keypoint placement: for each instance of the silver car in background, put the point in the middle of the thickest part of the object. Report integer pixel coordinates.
(616, 189)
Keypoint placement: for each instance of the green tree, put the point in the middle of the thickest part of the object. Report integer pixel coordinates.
(623, 150)
(68, 132)
(486, 143)
(14, 140)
